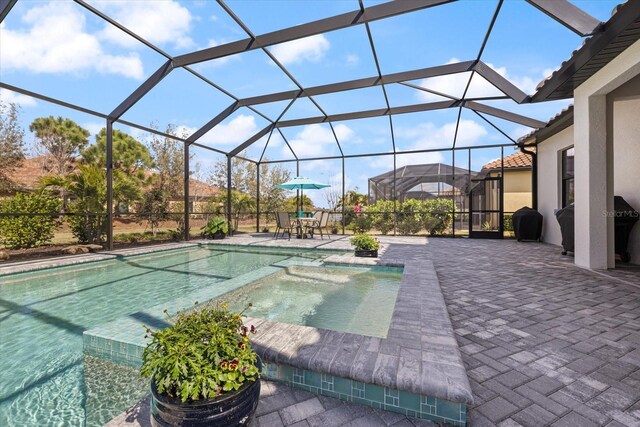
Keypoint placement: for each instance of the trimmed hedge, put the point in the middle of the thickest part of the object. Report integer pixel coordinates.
(20, 232)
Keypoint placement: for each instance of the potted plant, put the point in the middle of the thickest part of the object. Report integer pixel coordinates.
(203, 371)
(216, 228)
(365, 245)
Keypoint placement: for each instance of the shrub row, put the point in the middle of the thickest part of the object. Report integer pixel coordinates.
(433, 215)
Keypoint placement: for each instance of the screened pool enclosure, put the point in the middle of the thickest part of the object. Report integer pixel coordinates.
(400, 100)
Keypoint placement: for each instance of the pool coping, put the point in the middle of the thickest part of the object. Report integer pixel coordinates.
(68, 260)
(420, 353)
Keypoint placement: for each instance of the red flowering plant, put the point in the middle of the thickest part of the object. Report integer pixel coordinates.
(205, 353)
(361, 221)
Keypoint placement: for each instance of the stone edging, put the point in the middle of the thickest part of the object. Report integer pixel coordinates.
(419, 355)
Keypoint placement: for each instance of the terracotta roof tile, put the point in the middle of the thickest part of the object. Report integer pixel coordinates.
(517, 160)
(25, 178)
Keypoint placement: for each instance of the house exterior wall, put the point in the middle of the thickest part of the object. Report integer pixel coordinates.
(517, 189)
(549, 172)
(606, 136)
(625, 102)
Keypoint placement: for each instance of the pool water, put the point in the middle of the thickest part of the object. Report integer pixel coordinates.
(355, 300)
(44, 378)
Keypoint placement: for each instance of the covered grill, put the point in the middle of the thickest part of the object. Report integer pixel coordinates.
(565, 217)
(527, 224)
(625, 218)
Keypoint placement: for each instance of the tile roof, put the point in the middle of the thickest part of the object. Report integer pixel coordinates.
(609, 39)
(517, 160)
(559, 122)
(26, 177)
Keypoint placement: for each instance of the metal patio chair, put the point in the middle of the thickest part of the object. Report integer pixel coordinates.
(283, 224)
(321, 222)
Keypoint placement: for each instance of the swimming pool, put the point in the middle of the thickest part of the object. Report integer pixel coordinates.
(343, 299)
(44, 377)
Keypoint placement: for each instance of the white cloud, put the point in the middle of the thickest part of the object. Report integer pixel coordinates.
(428, 136)
(163, 22)
(184, 131)
(311, 49)
(352, 60)
(93, 127)
(318, 140)
(454, 84)
(8, 96)
(236, 131)
(56, 41)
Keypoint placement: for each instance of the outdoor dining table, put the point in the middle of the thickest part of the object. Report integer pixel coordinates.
(302, 223)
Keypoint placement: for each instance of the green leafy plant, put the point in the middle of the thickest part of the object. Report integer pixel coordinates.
(487, 226)
(381, 214)
(508, 222)
(358, 221)
(409, 217)
(153, 208)
(215, 225)
(17, 232)
(437, 214)
(363, 242)
(205, 353)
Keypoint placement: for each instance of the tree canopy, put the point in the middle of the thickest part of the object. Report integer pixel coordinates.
(129, 154)
(168, 160)
(130, 157)
(60, 140)
(11, 142)
(243, 179)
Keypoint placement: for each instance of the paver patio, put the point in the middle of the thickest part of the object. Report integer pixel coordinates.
(544, 342)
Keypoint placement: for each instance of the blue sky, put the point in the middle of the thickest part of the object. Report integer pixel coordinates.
(59, 49)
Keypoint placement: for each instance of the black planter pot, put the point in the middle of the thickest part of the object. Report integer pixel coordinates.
(236, 408)
(218, 235)
(368, 254)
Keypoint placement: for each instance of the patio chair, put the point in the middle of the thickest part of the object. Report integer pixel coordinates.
(283, 224)
(322, 221)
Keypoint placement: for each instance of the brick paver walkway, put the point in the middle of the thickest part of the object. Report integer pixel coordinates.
(544, 342)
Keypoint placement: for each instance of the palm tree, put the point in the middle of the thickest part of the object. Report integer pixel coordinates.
(87, 188)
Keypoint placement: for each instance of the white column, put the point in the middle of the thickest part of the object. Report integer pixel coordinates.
(593, 183)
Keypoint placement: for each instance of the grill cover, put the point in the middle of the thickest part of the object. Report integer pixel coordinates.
(565, 219)
(624, 220)
(527, 224)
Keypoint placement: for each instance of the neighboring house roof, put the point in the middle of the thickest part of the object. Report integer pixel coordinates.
(26, 177)
(199, 188)
(559, 122)
(608, 41)
(514, 161)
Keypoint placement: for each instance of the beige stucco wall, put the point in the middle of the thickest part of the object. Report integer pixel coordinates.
(626, 152)
(549, 170)
(517, 189)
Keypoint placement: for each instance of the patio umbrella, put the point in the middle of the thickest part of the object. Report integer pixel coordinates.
(300, 183)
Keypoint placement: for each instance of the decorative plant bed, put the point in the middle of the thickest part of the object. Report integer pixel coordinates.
(218, 235)
(203, 370)
(365, 246)
(235, 408)
(216, 228)
(368, 254)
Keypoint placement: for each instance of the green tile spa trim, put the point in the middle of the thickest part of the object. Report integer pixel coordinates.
(375, 396)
